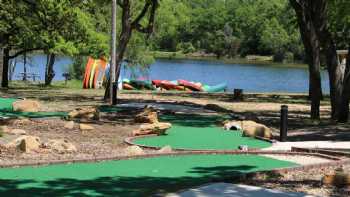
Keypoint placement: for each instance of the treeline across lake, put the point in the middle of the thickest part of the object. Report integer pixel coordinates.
(229, 28)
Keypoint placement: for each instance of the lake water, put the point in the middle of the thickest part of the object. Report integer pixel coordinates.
(250, 77)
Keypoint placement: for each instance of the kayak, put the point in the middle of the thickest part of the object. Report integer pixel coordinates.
(127, 86)
(157, 82)
(217, 88)
(190, 85)
(87, 72)
(169, 85)
(140, 84)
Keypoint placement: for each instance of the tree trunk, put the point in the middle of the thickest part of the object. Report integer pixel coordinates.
(312, 50)
(49, 71)
(24, 67)
(124, 38)
(5, 68)
(344, 114)
(319, 16)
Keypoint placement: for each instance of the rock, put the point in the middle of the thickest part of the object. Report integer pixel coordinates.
(4, 129)
(250, 128)
(26, 106)
(165, 149)
(86, 127)
(134, 150)
(17, 132)
(29, 143)
(148, 115)
(61, 146)
(69, 125)
(156, 128)
(87, 113)
(338, 180)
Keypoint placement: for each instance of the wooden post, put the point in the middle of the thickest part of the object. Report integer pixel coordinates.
(238, 94)
(112, 80)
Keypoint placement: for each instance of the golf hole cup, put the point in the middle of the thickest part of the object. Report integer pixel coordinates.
(243, 147)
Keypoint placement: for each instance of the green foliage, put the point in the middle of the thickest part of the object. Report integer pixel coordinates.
(228, 28)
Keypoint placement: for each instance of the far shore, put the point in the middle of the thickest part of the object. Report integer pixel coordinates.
(258, 60)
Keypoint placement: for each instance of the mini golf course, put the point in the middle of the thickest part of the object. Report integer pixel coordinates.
(198, 132)
(135, 177)
(149, 175)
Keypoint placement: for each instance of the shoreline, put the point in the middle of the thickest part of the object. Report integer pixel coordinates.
(260, 61)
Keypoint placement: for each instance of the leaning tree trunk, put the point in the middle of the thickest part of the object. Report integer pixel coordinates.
(5, 68)
(49, 71)
(124, 38)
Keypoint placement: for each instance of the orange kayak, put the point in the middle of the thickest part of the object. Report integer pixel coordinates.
(127, 86)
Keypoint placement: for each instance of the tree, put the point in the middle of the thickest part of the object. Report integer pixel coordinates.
(131, 22)
(312, 48)
(318, 17)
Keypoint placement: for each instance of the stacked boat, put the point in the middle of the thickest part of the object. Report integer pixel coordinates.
(178, 85)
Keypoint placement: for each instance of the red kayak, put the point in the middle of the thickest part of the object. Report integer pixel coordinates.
(168, 85)
(157, 82)
(189, 85)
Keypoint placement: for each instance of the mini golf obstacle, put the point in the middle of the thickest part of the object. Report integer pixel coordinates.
(197, 132)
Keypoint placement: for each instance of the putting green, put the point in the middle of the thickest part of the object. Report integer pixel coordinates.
(33, 114)
(197, 132)
(6, 104)
(6, 110)
(136, 177)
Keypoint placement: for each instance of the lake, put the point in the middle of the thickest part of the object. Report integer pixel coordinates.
(250, 77)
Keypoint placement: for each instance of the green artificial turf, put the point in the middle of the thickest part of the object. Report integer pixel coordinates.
(197, 132)
(33, 114)
(6, 104)
(6, 110)
(137, 177)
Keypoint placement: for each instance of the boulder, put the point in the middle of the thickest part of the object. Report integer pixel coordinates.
(69, 125)
(148, 115)
(156, 128)
(337, 179)
(165, 149)
(4, 129)
(17, 132)
(87, 113)
(61, 146)
(29, 143)
(26, 106)
(134, 150)
(250, 128)
(86, 127)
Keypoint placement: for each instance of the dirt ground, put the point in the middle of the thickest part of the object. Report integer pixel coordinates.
(110, 131)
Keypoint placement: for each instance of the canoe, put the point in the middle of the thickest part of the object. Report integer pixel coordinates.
(140, 84)
(217, 88)
(127, 86)
(87, 72)
(190, 85)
